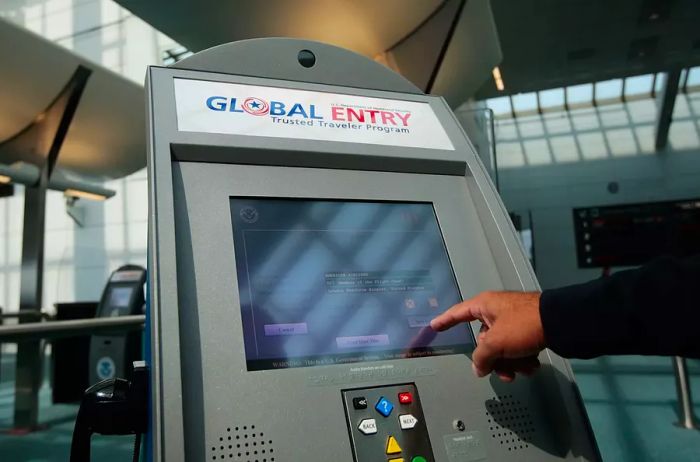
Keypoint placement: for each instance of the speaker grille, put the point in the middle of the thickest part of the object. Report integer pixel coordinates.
(510, 422)
(243, 444)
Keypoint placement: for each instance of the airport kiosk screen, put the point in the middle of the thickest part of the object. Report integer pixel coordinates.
(326, 282)
(120, 296)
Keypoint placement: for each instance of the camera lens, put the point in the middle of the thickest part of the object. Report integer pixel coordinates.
(306, 58)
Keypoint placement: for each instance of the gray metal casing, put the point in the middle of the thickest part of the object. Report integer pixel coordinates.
(202, 392)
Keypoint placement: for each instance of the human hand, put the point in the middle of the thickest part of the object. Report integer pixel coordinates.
(511, 335)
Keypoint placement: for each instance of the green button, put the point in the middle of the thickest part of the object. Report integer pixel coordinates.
(419, 459)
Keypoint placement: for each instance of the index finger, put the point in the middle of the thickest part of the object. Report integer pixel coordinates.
(461, 312)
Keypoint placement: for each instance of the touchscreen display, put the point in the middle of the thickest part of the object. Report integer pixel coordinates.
(119, 297)
(327, 282)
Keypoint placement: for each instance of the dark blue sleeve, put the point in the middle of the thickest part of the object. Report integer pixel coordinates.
(653, 310)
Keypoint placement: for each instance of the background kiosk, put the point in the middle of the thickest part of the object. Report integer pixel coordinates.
(113, 355)
(310, 212)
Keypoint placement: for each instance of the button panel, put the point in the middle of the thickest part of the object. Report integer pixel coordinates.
(378, 433)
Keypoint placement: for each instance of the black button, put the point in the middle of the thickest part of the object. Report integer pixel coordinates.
(359, 403)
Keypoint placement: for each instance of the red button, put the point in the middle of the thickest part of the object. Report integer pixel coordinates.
(405, 398)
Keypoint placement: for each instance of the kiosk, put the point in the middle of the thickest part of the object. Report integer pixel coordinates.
(310, 212)
(113, 355)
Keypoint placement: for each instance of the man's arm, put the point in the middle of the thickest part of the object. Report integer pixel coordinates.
(651, 310)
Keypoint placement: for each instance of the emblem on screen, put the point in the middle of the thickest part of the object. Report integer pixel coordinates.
(249, 214)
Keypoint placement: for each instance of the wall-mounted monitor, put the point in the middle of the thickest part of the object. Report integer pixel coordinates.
(633, 234)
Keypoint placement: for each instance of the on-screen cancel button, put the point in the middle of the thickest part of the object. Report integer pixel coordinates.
(285, 329)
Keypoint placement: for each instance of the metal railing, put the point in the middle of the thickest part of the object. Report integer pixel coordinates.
(70, 328)
(24, 314)
(685, 398)
(27, 332)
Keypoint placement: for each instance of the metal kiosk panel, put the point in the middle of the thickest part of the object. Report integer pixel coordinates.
(208, 403)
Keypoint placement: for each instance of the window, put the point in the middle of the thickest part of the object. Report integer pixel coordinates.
(693, 77)
(552, 98)
(524, 102)
(579, 94)
(499, 105)
(608, 89)
(173, 55)
(639, 85)
(604, 92)
(659, 85)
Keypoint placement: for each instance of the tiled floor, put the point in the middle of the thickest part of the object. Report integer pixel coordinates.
(630, 401)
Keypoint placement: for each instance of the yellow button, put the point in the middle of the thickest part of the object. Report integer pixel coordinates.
(400, 459)
(392, 446)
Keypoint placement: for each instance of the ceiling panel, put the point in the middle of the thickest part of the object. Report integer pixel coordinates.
(107, 138)
(368, 27)
(553, 43)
